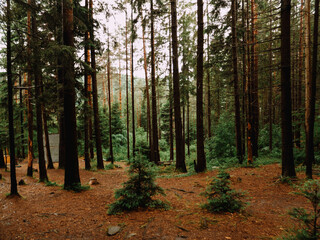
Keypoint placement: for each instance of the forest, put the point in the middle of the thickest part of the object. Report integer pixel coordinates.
(112, 100)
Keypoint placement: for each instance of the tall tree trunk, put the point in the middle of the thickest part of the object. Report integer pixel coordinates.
(188, 123)
(311, 95)
(244, 78)
(147, 91)
(127, 90)
(21, 118)
(270, 81)
(200, 165)
(62, 149)
(86, 96)
(29, 98)
(155, 141)
(120, 97)
(288, 169)
(109, 102)
(236, 80)
(254, 81)
(97, 129)
(170, 100)
(132, 85)
(38, 85)
(208, 80)
(47, 141)
(180, 154)
(13, 189)
(72, 177)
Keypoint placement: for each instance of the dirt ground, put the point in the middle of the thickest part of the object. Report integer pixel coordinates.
(45, 212)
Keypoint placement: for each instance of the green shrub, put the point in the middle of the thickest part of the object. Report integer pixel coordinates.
(138, 191)
(309, 224)
(221, 198)
(222, 144)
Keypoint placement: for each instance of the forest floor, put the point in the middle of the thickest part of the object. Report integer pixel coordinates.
(48, 212)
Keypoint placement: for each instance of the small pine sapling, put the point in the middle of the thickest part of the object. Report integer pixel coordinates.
(309, 221)
(221, 198)
(138, 191)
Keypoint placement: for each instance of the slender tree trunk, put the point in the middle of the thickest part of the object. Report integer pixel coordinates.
(147, 93)
(97, 129)
(2, 163)
(29, 98)
(86, 96)
(180, 155)
(14, 189)
(127, 91)
(288, 169)
(109, 102)
(200, 165)
(132, 86)
(188, 123)
(235, 81)
(62, 149)
(155, 141)
(254, 81)
(311, 95)
(208, 80)
(72, 177)
(170, 100)
(270, 81)
(21, 119)
(47, 141)
(120, 97)
(244, 78)
(38, 85)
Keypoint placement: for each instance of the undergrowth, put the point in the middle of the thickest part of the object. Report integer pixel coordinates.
(139, 190)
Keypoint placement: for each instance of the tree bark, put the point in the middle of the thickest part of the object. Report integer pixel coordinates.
(311, 94)
(180, 155)
(132, 85)
(200, 165)
(236, 81)
(13, 189)
(29, 98)
(147, 92)
(270, 82)
(72, 178)
(155, 141)
(288, 169)
(170, 100)
(109, 102)
(97, 129)
(127, 91)
(2, 163)
(38, 87)
(86, 96)
(47, 141)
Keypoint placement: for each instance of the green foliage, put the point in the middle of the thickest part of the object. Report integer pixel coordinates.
(138, 190)
(309, 224)
(111, 166)
(264, 138)
(221, 198)
(50, 184)
(222, 144)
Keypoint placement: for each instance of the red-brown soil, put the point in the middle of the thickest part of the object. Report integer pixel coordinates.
(52, 213)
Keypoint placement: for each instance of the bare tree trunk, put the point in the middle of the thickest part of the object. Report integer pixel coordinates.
(29, 98)
(170, 103)
(97, 129)
(200, 165)
(147, 92)
(21, 119)
(38, 85)
(13, 189)
(180, 155)
(235, 81)
(288, 169)
(72, 177)
(127, 90)
(109, 102)
(311, 92)
(132, 86)
(86, 96)
(270, 81)
(155, 141)
(208, 82)
(47, 141)
(2, 163)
